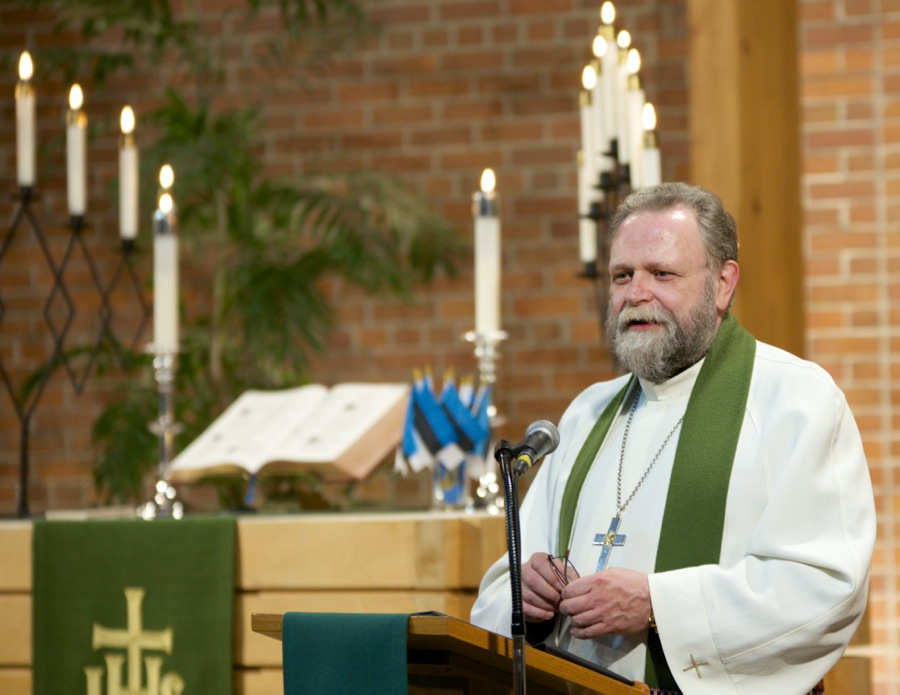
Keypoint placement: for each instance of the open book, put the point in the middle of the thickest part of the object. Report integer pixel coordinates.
(344, 432)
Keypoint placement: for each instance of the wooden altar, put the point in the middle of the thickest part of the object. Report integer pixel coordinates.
(395, 563)
(384, 563)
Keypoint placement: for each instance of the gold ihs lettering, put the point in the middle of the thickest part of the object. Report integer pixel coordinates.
(134, 640)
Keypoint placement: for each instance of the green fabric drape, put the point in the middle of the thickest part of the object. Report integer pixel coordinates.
(340, 653)
(165, 587)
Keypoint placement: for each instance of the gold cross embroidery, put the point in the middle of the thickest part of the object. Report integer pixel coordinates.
(696, 666)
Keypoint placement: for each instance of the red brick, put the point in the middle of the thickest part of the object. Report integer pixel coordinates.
(838, 85)
(545, 7)
(810, 11)
(861, 294)
(821, 62)
(862, 214)
(844, 190)
(844, 346)
(829, 36)
(469, 9)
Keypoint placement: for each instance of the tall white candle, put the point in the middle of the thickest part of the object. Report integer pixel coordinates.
(128, 177)
(600, 137)
(634, 107)
(487, 256)
(610, 60)
(588, 126)
(652, 170)
(165, 266)
(588, 168)
(25, 135)
(606, 89)
(76, 152)
(587, 228)
(623, 41)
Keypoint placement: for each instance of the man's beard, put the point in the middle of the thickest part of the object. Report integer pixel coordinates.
(656, 357)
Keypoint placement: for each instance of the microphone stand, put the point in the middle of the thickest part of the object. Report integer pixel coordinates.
(503, 454)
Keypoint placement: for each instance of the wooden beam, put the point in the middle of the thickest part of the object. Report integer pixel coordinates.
(745, 146)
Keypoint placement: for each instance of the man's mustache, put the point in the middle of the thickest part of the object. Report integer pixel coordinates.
(633, 315)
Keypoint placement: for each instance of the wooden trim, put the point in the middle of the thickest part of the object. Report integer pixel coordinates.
(488, 653)
(745, 146)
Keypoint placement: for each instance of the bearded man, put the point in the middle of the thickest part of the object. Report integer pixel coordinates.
(707, 523)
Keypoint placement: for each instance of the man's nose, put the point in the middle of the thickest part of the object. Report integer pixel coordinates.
(639, 289)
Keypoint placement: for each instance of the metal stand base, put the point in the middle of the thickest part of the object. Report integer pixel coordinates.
(164, 504)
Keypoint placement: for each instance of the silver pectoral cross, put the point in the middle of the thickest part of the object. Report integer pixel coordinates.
(607, 541)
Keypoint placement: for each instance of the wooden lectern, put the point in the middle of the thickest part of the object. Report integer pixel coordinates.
(448, 655)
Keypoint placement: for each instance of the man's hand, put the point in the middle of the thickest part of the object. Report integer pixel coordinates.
(613, 601)
(543, 578)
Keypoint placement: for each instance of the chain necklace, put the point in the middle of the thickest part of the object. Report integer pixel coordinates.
(612, 538)
(620, 506)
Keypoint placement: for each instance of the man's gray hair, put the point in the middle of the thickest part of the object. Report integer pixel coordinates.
(717, 229)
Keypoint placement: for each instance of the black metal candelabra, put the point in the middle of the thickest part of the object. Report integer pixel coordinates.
(26, 395)
(614, 185)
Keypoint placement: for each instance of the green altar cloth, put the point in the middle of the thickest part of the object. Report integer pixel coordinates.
(341, 653)
(133, 606)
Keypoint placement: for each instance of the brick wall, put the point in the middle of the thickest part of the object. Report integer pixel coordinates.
(448, 88)
(850, 73)
(445, 90)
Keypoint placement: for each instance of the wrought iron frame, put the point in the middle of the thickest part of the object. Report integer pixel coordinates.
(26, 400)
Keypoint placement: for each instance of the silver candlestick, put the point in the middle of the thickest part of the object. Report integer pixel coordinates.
(489, 492)
(165, 348)
(165, 503)
(487, 352)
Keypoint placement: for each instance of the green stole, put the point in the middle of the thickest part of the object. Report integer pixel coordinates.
(694, 515)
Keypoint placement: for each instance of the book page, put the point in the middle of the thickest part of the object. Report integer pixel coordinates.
(244, 434)
(349, 413)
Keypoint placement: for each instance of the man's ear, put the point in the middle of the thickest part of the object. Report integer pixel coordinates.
(726, 282)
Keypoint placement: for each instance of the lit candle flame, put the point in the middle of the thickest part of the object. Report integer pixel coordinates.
(648, 117)
(166, 203)
(488, 180)
(599, 46)
(624, 39)
(166, 179)
(126, 120)
(633, 61)
(76, 97)
(589, 77)
(607, 13)
(26, 67)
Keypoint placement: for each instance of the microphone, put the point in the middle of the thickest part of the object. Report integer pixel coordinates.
(541, 438)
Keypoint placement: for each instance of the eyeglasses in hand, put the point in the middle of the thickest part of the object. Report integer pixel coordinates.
(562, 573)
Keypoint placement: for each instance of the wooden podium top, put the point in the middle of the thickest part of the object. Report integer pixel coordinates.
(471, 652)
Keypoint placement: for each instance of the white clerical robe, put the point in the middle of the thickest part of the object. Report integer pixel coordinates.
(778, 610)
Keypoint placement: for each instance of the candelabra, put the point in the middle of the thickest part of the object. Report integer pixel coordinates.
(165, 503)
(58, 313)
(619, 149)
(614, 186)
(488, 493)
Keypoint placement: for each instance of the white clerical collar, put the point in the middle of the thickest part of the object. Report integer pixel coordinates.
(679, 386)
